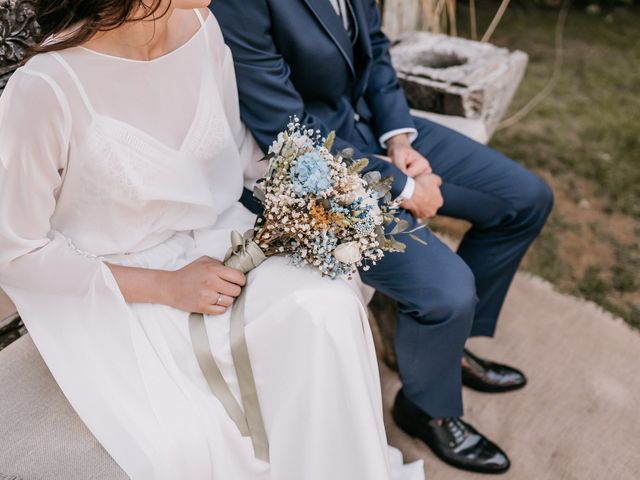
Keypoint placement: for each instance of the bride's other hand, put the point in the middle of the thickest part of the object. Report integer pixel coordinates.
(203, 286)
(198, 286)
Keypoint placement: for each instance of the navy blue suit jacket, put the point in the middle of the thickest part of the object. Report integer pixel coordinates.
(294, 57)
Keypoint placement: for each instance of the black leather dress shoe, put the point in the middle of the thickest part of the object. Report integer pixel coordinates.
(491, 377)
(454, 441)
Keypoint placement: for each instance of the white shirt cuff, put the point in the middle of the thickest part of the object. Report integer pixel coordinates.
(408, 190)
(413, 134)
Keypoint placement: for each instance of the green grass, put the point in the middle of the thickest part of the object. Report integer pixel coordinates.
(590, 124)
(585, 140)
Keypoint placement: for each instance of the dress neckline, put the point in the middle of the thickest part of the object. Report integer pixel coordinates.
(153, 60)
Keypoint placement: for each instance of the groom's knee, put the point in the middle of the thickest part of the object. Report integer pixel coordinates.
(452, 300)
(535, 201)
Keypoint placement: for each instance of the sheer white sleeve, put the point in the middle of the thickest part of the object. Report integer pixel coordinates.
(250, 152)
(32, 158)
(34, 136)
(62, 295)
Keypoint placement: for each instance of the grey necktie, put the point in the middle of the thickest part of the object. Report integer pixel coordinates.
(343, 11)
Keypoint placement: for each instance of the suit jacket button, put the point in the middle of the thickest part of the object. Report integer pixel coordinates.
(356, 116)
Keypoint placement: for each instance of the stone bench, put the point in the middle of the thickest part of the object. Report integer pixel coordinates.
(7, 310)
(10, 325)
(41, 437)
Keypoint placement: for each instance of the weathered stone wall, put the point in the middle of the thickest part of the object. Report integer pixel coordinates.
(17, 30)
(400, 17)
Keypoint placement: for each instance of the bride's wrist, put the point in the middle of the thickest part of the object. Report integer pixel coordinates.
(163, 283)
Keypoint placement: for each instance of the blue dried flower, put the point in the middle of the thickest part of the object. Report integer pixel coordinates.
(310, 174)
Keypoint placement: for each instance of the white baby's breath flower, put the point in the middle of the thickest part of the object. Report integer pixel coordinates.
(302, 141)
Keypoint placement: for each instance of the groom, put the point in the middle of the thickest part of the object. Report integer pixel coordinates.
(327, 62)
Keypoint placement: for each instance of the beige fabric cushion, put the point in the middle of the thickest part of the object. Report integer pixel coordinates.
(41, 437)
(7, 308)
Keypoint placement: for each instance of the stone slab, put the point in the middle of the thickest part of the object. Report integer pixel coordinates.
(472, 128)
(7, 309)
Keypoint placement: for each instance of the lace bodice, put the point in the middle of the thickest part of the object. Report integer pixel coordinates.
(121, 154)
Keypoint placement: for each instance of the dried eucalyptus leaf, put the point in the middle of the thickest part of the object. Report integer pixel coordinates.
(372, 177)
(401, 226)
(381, 189)
(348, 153)
(398, 246)
(395, 231)
(387, 182)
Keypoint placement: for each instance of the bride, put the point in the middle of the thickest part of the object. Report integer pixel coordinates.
(121, 162)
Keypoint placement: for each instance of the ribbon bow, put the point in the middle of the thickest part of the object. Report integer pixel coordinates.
(244, 254)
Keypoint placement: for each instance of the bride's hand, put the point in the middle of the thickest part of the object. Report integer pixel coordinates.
(197, 287)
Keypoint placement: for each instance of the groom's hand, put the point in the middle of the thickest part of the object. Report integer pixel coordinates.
(427, 198)
(405, 157)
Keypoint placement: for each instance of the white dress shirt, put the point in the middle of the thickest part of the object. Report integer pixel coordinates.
(340, 6)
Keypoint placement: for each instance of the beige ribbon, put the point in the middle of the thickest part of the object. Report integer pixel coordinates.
(244, 255)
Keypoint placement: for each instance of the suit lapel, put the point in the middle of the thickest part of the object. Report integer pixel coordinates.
(362, 44)
(332, 24)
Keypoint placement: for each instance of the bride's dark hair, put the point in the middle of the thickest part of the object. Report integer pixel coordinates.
(82, 19)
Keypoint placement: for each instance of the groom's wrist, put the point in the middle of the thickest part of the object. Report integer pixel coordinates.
(403, 135)
(408, 191)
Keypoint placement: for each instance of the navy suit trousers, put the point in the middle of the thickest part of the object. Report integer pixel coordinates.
(445, 297)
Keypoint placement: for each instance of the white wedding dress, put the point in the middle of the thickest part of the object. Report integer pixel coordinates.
(140, 163)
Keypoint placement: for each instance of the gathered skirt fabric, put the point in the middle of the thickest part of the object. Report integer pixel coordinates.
(130, 372)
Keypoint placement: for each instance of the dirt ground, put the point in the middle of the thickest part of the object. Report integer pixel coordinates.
(583, 250)
(584, 140)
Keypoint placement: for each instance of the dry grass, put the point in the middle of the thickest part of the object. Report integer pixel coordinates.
(585, 141)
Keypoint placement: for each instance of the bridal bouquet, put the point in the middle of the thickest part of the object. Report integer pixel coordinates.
(319, 209)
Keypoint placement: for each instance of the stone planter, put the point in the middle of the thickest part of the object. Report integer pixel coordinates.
(17, 31)
(455, 76)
